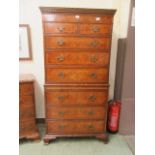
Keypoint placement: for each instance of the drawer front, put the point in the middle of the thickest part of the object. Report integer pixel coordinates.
(27, 126)
(77, 42)
(73, 97)
(77, 58)
(26, 99)
(26, 88)
(60, 28)
(60, 17)
(95, 29)
(75, 113)
(96, 75)
(26, 112)
(75, 127)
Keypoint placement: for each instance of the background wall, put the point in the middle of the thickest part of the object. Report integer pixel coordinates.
(30, 14)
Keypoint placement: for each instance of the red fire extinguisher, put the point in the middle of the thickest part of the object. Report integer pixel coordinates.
(113, 116)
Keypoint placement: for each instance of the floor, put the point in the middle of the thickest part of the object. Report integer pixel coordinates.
(118, 145)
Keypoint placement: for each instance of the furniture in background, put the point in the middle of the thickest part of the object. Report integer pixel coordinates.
(77, 44)
(27, 125)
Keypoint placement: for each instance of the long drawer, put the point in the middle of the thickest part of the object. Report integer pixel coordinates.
(26, 99)
(75, 127)
(75, 113)
(72, 75)
(61, 57)
(83, 18)
(26, 88)
(77, 42)
(75, 96)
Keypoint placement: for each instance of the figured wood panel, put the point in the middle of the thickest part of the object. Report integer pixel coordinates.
(75, 113)
(77, 58)
(62, 17)
(26, 88)
(60, 28)
(75, 127)
(77, 42)
(67, 75)
(68, 97)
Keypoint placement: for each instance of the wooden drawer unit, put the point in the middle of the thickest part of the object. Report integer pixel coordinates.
(64, 96)
(61, 57)
(27, 125)
(75, 127)
(77, 44)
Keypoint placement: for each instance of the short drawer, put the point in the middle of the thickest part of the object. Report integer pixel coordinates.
(75, 113)
(83, 18)
(95, 29)
(27, 126)
(75, 127)
(26, 112)
(60, 28)
(76, 96)
(77, 42)
(26, 88)
(76, 75)
(77, 58)
(26, 99)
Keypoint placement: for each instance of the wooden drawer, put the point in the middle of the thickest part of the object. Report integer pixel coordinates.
(26, 88)
(84, 18)
(27, 126)
(60, 28)
(77, 42)
(75, 96)
(76, 75)
(26, 99)
(75, 113)
(77, 58)
(75, 127)
(95, 29)
(26, 112)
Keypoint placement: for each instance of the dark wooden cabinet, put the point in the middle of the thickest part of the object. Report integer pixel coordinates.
(27, 125)
(77, 45)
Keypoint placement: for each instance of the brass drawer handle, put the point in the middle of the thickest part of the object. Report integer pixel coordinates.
(61, 98)
(61, 75)
(95, 29)
(90, 113)
(60, 28)
(61, 127)
(92, 98)
(93, 43)
(60, 58)
(93, 59)
(90, 126)
(61, 113)
(60, 42)
(92, 75)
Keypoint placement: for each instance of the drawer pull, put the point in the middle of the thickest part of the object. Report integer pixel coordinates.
(95, 29)
(60, 42)
(90, 113)
(93, 59)
(61, 98)
(93, 43)
(90, 126)
(77, 17)
(61, 113)
(93, 75)
(60, 58)
(60, 28)
(61, 75)
(61, 127)
(92, 98)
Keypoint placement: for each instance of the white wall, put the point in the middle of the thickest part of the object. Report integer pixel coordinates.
(30, 14)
